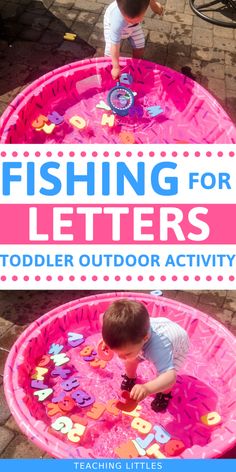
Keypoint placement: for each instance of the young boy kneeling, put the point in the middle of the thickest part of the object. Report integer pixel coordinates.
(134, 336)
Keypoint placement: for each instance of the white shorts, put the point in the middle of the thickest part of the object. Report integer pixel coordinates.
(134, 34)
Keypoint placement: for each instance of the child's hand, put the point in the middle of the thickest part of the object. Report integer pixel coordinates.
(139, 392)
(115, 72)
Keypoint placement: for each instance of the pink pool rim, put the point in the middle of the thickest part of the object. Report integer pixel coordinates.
(206, 383)
(189, 113)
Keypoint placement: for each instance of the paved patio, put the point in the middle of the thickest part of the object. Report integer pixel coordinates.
(31, 43)
(19, 308)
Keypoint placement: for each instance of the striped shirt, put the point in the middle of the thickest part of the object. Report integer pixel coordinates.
(167, 346)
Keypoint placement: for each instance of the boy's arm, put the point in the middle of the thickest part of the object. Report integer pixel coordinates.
(160, 384)
(115, 55)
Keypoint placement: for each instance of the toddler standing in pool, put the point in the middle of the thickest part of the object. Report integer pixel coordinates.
(122, 20)
(129, 332)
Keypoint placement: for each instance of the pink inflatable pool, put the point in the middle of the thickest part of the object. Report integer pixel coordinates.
(64, 397)
(70, 105)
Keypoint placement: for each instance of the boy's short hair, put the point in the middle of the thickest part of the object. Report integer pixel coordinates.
(132, 8)
(124, 322)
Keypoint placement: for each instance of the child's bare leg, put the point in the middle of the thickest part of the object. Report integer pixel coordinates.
(138, 53)
(156, 7)
(131, 368)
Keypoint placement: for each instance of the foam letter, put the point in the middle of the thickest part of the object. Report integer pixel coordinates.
(96, 411)
(39, 374)
(141, 425)
(78, 122)
(161, 435)
(126, 450)
(154, 451)
(43, 394)
(63, 424)
(108, 120)
(60, 359)
(55, 348)
(69, 384)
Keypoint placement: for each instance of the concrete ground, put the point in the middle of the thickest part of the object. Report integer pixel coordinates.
(19, 308)
(31, 43)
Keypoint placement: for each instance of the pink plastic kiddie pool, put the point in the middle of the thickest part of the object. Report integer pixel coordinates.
(64, 397)
(71, 105)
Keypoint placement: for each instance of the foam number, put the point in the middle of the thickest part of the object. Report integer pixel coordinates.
(126, 450)
(128, 404)
(161, 435)
(55, 118)
(44, 361)
(69, 384)
(82, 398)
(67, 404)
(38, 384)
(174, 447)
(86, 351)
(75, 339)
(40, 373)
(62, 424)
(108, 120)
(60, 359)
(96, 411)
(43, 394)
(77, 122)
(104, 352)
(154, 111)
(154, 452)
(98, 363)
(40, 122)
(55, 348)
(63, 373)
(141, 425)
(144, 443)
(211, 419)
(48, 129)
(75, 434)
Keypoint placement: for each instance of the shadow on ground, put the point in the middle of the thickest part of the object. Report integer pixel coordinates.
(24, 307)
(32, 43)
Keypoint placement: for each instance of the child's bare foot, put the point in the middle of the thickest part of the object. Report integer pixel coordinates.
(156, 7)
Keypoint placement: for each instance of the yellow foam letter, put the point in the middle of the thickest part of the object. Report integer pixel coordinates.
(108, 120)
(78, 122)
